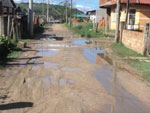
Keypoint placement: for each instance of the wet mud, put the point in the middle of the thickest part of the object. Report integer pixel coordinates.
(69, 77)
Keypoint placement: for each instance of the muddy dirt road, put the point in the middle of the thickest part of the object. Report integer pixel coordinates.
(67, 76)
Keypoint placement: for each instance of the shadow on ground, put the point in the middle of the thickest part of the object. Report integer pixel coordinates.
(18, 105)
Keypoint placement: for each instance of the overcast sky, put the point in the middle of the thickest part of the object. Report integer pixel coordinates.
(83, 5)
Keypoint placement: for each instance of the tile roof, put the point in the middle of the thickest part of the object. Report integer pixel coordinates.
(112, 2)
(137, 1)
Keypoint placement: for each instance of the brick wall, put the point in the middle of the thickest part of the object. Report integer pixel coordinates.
(133, 40)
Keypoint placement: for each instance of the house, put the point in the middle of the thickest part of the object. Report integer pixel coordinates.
(97, 15)
(92, 14)
(100, 13)
(7, 11)
(139, 13)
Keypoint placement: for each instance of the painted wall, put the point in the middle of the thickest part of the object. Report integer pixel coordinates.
(142, 16)
(100, 14)
(93, 18)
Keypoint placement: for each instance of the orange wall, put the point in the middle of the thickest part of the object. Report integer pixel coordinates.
(142, 15)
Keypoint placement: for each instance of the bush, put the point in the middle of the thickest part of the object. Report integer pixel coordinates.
(86, 30)
(6, 46)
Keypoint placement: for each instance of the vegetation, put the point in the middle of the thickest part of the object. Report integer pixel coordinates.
(86, 30)
(54, 10)
(8, 49)
(141, 66)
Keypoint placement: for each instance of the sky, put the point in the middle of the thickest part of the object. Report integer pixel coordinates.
(84, 5)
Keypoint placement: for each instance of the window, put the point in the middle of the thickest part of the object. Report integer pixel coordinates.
(132, 16)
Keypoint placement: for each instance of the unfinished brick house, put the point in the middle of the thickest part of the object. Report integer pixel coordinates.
(7, 12)
(139, 13)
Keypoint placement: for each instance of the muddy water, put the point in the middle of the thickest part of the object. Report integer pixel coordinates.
(80, 42)
(47, 52)
(91, 53)
(125, 102)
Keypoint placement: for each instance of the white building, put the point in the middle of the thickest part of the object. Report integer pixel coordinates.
(92, 14)
(96, 15)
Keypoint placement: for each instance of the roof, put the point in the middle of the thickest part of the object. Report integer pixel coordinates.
(110, 3)
(81, 15)
(137, 1)
(9, 3)
(91, 12)
(12, 1)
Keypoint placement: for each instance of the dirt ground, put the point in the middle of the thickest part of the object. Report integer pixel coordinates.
(68, 77)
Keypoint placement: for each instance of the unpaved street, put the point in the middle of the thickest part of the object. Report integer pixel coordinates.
(67, 76)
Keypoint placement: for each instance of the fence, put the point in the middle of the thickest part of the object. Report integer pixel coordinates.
(138, 41)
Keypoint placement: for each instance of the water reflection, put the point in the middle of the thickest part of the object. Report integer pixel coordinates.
(91, 54)
(47, 52)
(125, 102)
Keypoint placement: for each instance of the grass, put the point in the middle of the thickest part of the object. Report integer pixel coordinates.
(122, 51)
(141, 66)
(13, 54)
(86, 30)
(46, 25)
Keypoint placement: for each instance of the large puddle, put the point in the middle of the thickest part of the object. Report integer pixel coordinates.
(58, 45)
(125, 101)
(80, 42)
(91, 54)
(47, 52)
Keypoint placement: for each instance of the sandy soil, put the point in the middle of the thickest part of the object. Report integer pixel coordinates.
(64, 77)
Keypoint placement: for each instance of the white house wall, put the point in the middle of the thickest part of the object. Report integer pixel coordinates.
(100, 13)
(93, 18)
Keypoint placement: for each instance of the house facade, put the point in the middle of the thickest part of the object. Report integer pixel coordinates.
(7, 11)
(96, 15)
(139, 13)
(92, 14)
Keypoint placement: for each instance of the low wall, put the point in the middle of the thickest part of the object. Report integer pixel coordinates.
(133, 40)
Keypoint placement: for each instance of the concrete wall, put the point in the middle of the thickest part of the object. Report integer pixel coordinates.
(100, 13)
(133, 40)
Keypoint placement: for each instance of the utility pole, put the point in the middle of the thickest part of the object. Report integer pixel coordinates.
(117, 22)
(47, 10)
(30, 17)
(66, 11)
(71, 14)
(43, 8)
(127, 12)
